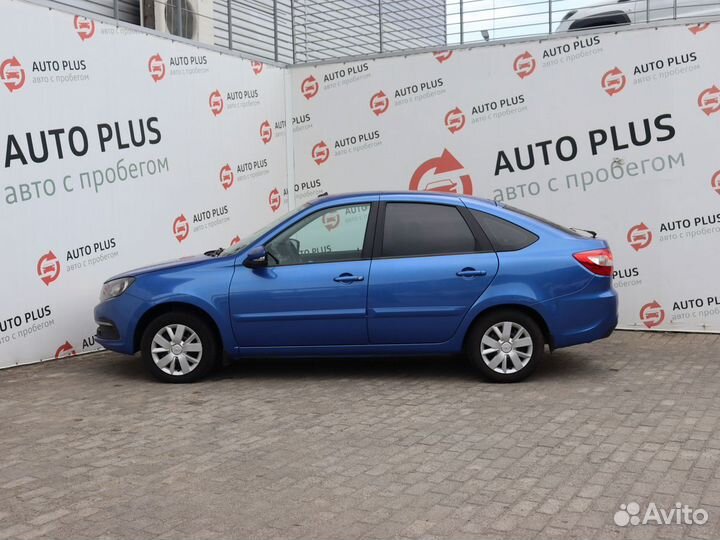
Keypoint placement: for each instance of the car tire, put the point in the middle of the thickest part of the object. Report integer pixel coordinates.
(505, 345)
(191, 348)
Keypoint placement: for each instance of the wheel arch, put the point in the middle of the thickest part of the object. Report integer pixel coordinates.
(522, 308)
(168, 307)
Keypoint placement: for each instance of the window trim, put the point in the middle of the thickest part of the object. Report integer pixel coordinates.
(365, 252)
(480, 237)
(476, 231)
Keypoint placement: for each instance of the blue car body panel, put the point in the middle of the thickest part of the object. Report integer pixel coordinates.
(201, 283)
(300, 305)
(421, 299)
(410, 305)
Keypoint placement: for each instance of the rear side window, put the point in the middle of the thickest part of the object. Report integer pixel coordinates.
(414, 229)
(505, 236)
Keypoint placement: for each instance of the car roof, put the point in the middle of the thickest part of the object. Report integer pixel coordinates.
(424, 195)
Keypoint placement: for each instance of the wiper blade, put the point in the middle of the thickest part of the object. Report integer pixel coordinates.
(214, 252)
(591, 233)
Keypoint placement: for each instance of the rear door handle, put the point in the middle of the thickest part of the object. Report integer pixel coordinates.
(471, 272)
(348, 278)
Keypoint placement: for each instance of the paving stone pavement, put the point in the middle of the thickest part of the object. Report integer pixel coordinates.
(91, 447)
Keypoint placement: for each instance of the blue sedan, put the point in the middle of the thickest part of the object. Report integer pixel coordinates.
(371, 274)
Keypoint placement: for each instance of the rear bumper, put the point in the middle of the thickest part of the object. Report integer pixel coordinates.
(585, 316)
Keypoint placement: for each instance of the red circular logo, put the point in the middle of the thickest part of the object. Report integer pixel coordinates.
(265, 132)
(442, 56)
(12, 74)
(216, 103)
(639, 236)
(652, 314)
(524, 65)
(614, 81)
(65, 350)
(379, 103)
(48, 268)
(257, 67)
(274, 200)
(455, 120)
(181, 229)
(715, 182)
(697, 28)
(227, 178)
(709, 100)
(156, 67)
(320, 153)
(309, 87)
(84, 27)
(442, 174)
(331, 220)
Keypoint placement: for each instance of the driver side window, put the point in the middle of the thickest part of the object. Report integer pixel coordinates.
(330, 235)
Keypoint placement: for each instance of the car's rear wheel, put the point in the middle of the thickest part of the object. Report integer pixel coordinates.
(505, 345)
(179, 347)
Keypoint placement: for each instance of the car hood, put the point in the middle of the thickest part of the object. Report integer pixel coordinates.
(166, 265)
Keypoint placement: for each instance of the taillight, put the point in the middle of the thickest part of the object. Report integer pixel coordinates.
(598, 261)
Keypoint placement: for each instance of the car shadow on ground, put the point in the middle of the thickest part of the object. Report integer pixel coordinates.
(557, 365)
(552, 367)
(342, 367)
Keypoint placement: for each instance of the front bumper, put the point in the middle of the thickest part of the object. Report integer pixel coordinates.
(117, 320)
(107, 331)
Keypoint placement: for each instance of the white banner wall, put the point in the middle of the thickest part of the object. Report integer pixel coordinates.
(615, 132)
(119, 149)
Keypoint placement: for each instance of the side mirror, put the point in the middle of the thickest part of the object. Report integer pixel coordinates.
(256, 258)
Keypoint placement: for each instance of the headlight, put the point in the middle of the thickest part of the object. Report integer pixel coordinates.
(115, 288)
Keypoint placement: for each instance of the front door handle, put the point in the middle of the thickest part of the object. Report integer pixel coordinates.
(348, 278)
(471, 272)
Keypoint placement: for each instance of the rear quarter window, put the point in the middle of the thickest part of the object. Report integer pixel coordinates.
(503, 235)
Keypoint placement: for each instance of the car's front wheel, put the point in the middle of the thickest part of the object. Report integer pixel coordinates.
(505, 345)
(179, 347)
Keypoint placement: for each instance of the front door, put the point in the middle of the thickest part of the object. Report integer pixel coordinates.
(313, 291)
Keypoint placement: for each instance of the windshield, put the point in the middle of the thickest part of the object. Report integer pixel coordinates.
(232, 250)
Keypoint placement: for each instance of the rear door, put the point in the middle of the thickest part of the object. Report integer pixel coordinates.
(429, 266)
